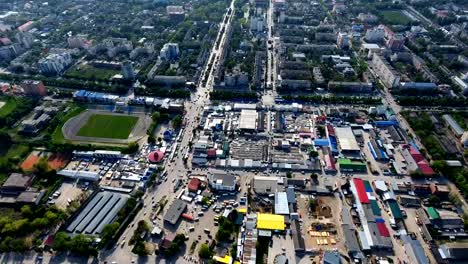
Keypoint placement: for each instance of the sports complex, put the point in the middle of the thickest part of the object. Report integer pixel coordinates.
(106, 127)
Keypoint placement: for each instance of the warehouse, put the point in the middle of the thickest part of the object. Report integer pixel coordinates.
(175, 211)
(347, 140)
(414, 250)
(270, 222)
(348, 165)
(281, 203)
(99, 211)
(248, 120)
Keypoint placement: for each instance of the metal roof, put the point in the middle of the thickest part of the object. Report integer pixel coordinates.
(175, 211)
(281, 203)
(98, 212)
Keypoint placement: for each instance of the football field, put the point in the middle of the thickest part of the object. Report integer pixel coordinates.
(108, 126)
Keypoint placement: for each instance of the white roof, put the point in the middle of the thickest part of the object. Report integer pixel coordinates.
(380, 185)
(248, 119)
(346, 138)
(281, 203)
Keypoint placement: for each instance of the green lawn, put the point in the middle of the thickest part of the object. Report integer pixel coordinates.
(10, 105)
(396, 17)
(57, 136)
(89, 72)
(108, 126)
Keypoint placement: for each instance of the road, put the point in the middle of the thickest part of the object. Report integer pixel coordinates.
(177, 168)
(268, 98)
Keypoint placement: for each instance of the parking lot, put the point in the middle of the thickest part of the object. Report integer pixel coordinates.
(69, 191)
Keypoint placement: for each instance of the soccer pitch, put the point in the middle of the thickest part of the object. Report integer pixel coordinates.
(108, 126)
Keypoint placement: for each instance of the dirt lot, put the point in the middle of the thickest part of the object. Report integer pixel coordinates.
(68, 190)
(327, 238)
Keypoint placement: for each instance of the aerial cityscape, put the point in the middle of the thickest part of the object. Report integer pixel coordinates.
(234, 131)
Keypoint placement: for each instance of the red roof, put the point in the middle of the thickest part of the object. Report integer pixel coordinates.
(417, 156)
(155, 156)
(425, 168)
(361, 190)
(211, 153)
(49, 240)
(187, 216)
(194, 184)
(331, 130)
(383, 230)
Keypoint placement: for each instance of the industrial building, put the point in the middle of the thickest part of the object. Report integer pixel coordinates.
(248, 120)
(272, 222)
(347, 140)
(281, 203)
(453, 125)
(347, 165)
(100, 210)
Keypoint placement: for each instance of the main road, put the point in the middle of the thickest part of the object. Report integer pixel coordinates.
(176, 169)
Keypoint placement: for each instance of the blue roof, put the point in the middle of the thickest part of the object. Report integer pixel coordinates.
(321, 142)
(386, 123)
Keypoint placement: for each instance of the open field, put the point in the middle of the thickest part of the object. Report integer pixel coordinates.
(108, 126)
(396, 17)
(7, 106)
(89, 72)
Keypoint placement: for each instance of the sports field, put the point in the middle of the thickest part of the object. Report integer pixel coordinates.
(108, 126)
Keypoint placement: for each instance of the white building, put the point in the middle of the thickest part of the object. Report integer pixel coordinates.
(222, 181)
(170, 51)
(376, 34)
(55, 63)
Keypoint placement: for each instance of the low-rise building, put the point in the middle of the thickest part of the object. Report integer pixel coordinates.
(222, 181)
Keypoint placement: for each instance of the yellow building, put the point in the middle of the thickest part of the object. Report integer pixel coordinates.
(270, 222)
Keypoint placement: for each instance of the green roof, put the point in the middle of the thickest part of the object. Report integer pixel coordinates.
(396, 212)
(349, 162)
(375, 208)
(433, 213)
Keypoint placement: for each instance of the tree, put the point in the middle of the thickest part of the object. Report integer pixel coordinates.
(313, 154)
(26, 211)
(312, 204)
(434, 200)
(110, 230)
(204, 251)
(177, 122)
(314, 176)
(289, 175)
(5, 138)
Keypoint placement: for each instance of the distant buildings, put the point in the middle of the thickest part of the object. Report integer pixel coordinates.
(175, 13)
(26, 39)
(55, 64)
(35, 88)
(17, 191)
(169, 52)
(368, 18)
(77, 41)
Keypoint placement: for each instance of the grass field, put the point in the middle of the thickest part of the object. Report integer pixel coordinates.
(9, 106)
(57, 136)
(89, 72)
(108, 126)
(396, 17)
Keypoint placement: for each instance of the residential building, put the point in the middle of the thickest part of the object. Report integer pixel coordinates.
(453, 125)
(26, 39)
(343, 41)
(351, 87)
(396, 42)
(26, 26)
(420, 86)
(36, 88)
(385, 71)
(169, 52)
(175, 13)
(127, 71)
(257, 24)
(368, 18)
(55, 64)
(376, 34)
(77, 41)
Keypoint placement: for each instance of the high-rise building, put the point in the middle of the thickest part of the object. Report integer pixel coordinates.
(127, 70)
(170, 51)
(26, 39)
(55, 63)
(36, 88)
